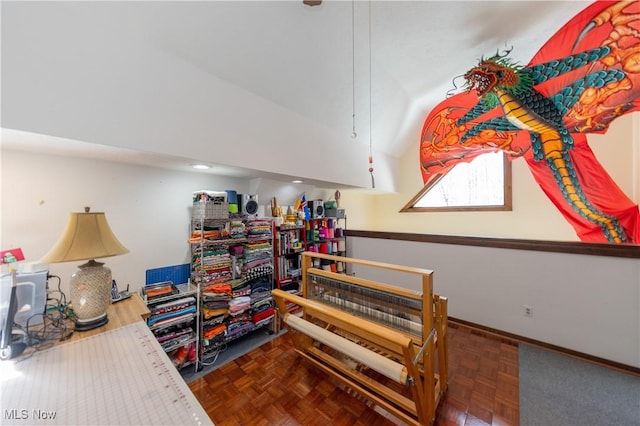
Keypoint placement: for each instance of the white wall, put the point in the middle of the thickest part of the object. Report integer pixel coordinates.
(93, 89)
(589, 304)
(148, 209)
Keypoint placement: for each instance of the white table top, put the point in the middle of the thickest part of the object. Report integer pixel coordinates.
(118, 377)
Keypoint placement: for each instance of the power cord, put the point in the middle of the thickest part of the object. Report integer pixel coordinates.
(57, 318)
(209, 361)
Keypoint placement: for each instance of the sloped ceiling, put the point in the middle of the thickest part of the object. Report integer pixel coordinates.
(266, 88)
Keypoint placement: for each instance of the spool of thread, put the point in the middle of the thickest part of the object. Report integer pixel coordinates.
(334, 247)
(232, 200)
(339, 233)
(232, 197)
(333, 267)
(330, 232)
(342, 246)
(331, 223)
(326, 267)
(324, 248)
(340, 267)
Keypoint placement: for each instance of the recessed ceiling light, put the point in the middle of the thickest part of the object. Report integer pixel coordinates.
(200, 166)
(297, 181)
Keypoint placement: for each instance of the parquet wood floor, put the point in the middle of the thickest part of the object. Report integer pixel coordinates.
(271, 385)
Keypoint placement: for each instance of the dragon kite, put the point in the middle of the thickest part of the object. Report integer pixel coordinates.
(582, 79)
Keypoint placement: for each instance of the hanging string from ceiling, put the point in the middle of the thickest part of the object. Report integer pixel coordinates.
(353, 69)
(373, 182)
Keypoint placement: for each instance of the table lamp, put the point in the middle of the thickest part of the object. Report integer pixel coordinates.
(87, 237)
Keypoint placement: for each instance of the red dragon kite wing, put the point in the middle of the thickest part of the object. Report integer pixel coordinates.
(583, 78)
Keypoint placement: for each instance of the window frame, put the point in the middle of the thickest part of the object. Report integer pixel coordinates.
(506, 206)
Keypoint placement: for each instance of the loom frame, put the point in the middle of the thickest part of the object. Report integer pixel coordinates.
(417, 355)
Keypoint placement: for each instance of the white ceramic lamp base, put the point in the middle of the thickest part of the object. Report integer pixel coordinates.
(91, 295)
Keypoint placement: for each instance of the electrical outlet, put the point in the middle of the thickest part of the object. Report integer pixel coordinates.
(528, 310)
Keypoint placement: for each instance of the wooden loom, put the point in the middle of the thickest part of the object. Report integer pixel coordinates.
(382, 341)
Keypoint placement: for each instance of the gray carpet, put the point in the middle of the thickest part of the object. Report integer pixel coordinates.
(231, 351)
(561, 390)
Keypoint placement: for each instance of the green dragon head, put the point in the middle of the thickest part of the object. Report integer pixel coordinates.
(496, 72)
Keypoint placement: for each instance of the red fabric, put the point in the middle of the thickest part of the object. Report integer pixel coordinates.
(440, 147)
(594, 114)
(599, 188)
(262, 315)
(613, 24)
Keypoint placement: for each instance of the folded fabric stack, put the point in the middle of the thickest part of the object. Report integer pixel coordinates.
(242, 317)
(197, 236)
(257, 272)
(208, 312)
(238, 305)
(172, 306)
(213, 325)
(174, 311)
(260, 289)
(262, 305)
(216, 303)
(244, 290)
(216, 265)
(258, 250)
(259, 295)
(262, 311)
(236, 293)
(237, 229)
(215, 331)
(263, 317)
(215, 319)
(256, 260)
(257, 228)
(234, 330)
(217, 289)
(175, 337)
(171, 318)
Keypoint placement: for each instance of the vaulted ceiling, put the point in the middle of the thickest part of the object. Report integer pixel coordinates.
(264, 88)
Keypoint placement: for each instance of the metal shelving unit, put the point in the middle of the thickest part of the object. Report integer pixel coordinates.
(175, 321)
(227, 258)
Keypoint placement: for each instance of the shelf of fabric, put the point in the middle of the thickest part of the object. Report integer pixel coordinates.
(173, 320)
(232, 262)
(179, 344)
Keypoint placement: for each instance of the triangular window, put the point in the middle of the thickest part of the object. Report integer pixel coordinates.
(482, 184)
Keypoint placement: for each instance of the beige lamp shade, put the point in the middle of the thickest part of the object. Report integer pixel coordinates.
(87, 236)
